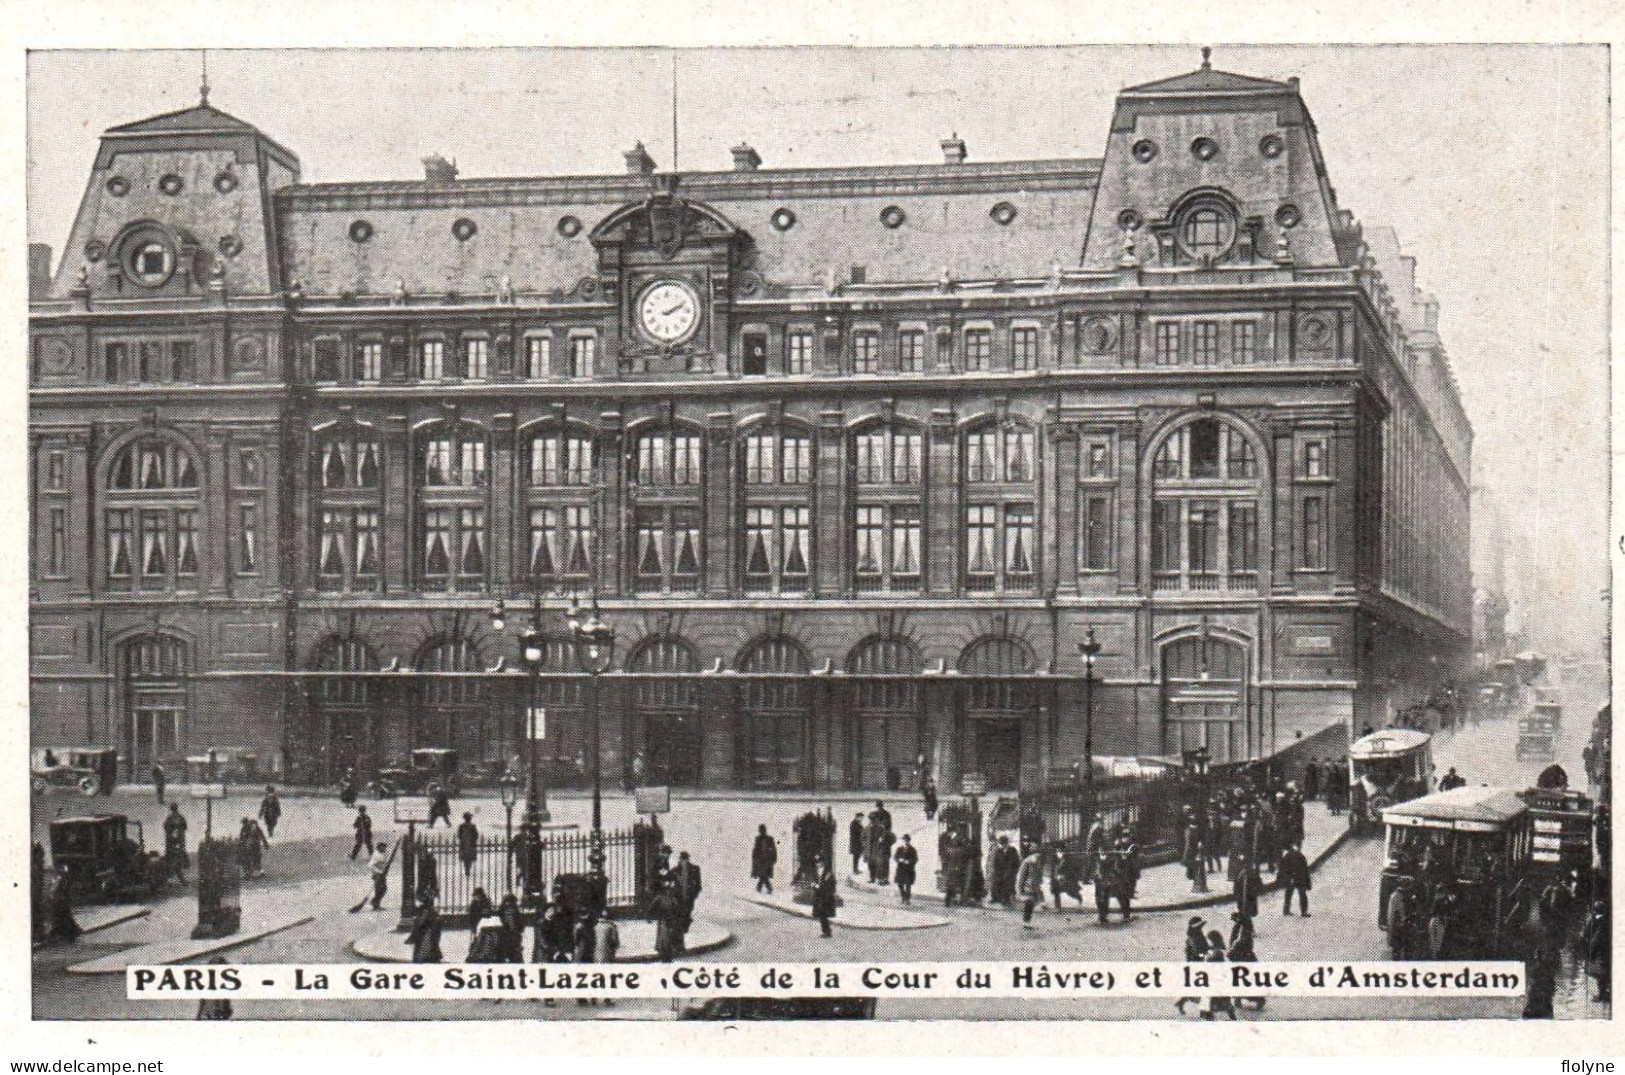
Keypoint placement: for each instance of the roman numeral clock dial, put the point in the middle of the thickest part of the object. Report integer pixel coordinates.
(669, 312)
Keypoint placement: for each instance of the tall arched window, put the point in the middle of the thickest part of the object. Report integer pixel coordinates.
(1206, 491)
(1001, 733)
(565, 747)
(558, 489)
(668, 481)
(888, 474)
(150, 519)
(347, 723)
(1205, 697)
(775, 714)
(887, 710)
(152, 681)
(452, 474)
(348, 474)
(670, 742)
(776, 472)
(1001, 497)
(454, 708)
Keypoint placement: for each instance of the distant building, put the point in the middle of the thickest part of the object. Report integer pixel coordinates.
(853, 456)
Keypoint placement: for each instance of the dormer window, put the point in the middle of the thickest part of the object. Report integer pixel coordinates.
(1205, 229)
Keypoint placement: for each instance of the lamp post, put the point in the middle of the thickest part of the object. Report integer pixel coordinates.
(531, 655)
(1089, 648)
(595, 652)
(509, 788)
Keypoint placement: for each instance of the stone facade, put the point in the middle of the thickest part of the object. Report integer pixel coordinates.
(852, 458)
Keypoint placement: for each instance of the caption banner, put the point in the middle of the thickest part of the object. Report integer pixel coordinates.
(946, 980)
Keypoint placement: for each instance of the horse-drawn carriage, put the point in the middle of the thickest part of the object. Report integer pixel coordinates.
(1456, 876)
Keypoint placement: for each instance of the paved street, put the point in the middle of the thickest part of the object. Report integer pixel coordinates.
(308, 862)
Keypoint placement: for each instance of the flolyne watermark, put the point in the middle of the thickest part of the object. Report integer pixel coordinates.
(944, 980)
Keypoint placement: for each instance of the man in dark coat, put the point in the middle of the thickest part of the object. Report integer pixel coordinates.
(823, 898)
(952, 850)
(908, 861)
(1192, 856)
(347, 789)
(159, 781)
(425, 935)
(1093, 844)
(428, 874)
(1003, 861)
(251, 842)
(270, 810)
(439, 806)
(880, 815)
(1598, 938)
(1311, 780)
(59, 894)
(928, 792)
(686, 886)
(363, 832)
(880, 855)
(764, 856)
(1294, 877)
(1246, 885)
(857, 841)
(468, 843)
(175, 842)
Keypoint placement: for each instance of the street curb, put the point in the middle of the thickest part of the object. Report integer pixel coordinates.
(1214, 899)
(117, 963)
(797, 911)
(363, 947)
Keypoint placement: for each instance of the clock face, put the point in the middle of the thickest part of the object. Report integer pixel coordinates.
(669, 312)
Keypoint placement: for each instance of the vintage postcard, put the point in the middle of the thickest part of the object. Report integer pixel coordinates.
(1062, 533)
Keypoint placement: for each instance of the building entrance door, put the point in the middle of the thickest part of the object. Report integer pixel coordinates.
(998, 753)
(155, 733)
(778, 750)
(674, 749)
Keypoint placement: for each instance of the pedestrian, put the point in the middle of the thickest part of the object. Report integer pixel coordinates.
(665, 910)
(1064, 876)
(1195, 952)
(880, 855)
(363, 832)
(928, 792)
(1003, 861)
(908, 861)
(1192, 855)
(214, 1010)
(880, 816)
(59, 894)
(606, 944)
(428, 874)
(468, 843)
(1451, 780)
(480, 908)
(686, 886)
(1598, 937)
(823, 898)
(952, 849)
(378, 866)
(764, 856)
(1241, 951)
(175, 842)
(512, 922)
(159, 782)
(439, 806)
(1246, 885)
(584, 941)
(1541, 967)
(1311, 780)
(347, 789)
(555, 936)
(425, 935)
(1093, 844)
(1213, 1003)
(270, 810)
(1030, 884)
(857, 841)
(878, 851)
(251, 842)
(1293, 876)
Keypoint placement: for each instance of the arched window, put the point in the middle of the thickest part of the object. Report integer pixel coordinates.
(1205, 697)
(775, 713)
(886, 542)
(668, 540)
(150, 520)
(453, 709)
(152, 682)
(997, 657)
(451, 655)
(346, 728)
(887, 709)
(777, 475)
(453, 476)
(670, 746)
(348, 469)
(342, 653)
(1206, 491)
(664, 656)
(1001, 511)
(1205, 229)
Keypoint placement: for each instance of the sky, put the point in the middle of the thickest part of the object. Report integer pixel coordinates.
(1491, 163)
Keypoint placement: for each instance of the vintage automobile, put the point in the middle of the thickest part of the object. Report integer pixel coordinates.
(1562, 821)
(1456, 873)
(87, 770)
(1385, 768)
(1537, 731)
(224, 765)
(429, 765)
(103, 859)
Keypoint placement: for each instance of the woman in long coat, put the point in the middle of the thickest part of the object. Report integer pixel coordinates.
(425, 935)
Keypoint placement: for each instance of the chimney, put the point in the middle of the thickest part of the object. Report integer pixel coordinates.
(746, 159)
(638, 161)
(39, 270)
(437, 169)
(953, 149)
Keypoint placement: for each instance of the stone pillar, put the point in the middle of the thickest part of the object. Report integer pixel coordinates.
(1061, 536)
(217, 522)
(1133, 515)
(1282, 556)
(942, 504)
(398, 526)
(609, 502)
(718, 505)
(831, 529)
(506, 525)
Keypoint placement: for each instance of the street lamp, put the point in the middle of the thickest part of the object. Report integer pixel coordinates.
(1089, 648)
(595, 652)
(509, 789)
(532, 654)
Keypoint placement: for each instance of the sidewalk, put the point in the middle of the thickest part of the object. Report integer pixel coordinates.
(851, 914)
(637, 943)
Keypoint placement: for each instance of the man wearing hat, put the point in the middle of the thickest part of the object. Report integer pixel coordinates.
(1195, 952)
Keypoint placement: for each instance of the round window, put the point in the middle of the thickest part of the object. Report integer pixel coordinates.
(892, 216)
(95, 250)
(1003, 213)
(118, 186)
(1205, 149)
(464, 229)
(783, 219)
(1288, 216)
(171, 184)
(360, 231)
(1145, 151)
(1206, 230)
(230, 245)
(226, 182)
(569, 226)
(1129, 220)
(1271, 146)
(149, 259)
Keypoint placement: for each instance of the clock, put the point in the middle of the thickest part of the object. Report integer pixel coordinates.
(669, 311)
